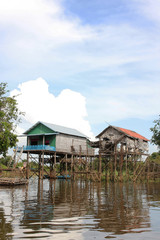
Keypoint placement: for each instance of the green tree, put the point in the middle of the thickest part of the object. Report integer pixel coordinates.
(156, 133)
(5, 160)
(9, 118)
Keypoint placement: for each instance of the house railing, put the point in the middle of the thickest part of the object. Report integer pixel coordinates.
(37, 147)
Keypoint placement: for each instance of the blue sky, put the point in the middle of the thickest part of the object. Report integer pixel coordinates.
(99, 54)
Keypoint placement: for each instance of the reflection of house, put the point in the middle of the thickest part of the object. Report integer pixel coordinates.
(130, 140)
(46, 136)
(110, 208)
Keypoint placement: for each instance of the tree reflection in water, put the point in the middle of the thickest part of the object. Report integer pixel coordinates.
(6, 228)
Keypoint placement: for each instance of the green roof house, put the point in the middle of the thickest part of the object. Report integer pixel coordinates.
(51, 137)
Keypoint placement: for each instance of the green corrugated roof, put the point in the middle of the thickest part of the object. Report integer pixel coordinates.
(59, 129)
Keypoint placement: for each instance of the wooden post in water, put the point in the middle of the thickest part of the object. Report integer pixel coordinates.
(115, 161)
(27, 167)
(42, 166)
(135, 165)
(55, 164)
(72, 165)
(74, 160)
(66, 164)
(51, 167)
(39, 170)
(127, 175)
(87, 162)
(100, 160)
(121, 163)
(100, 165)
(148, 170)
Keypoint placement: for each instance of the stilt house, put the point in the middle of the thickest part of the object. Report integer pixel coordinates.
(122, 139)
(51, 137)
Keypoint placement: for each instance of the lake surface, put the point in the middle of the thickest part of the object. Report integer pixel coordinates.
(80, 210)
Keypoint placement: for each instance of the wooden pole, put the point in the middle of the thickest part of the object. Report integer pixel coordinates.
(27, 169)
(74, 162)
(55, 164)
(66, 164)
(51, 167)
(111, 167)
(121, 163)
(42, 165)
(115, 161)
(54, 159)
(43, 139)
(100, 165)
(148, 170)
(126, 162)
(135, 161)
(100, 160)
(72, 165)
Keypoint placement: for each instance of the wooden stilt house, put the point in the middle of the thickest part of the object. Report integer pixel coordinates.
(128, 139)
(51, 137)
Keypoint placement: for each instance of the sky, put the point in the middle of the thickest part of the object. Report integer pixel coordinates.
(83, 64)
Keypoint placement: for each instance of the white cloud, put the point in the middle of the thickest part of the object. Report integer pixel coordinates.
(36, 22)
(39, 29)
(67, 109)
(150, 9)
(40, 36)
(137, 99)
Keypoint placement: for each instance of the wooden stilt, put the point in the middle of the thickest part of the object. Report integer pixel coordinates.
(55, 165)
(39, 166)
(74, 176)
(148, 171)
(135, 163)
(115, 162)
(66, 164)
(86, 167)
(100, 166)
(121, 163)
(72, 165)
(111, 167)
(27, 169)
(42, 166)
(51, 167)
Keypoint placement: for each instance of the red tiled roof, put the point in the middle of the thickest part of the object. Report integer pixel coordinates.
(133, 134)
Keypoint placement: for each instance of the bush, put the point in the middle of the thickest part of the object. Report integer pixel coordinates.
(5, 160)
(155, 156)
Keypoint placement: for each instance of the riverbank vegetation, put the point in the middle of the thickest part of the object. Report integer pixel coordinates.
(156, 133)
(9, 118)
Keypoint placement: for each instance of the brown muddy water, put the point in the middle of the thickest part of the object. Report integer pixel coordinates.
(80, 210)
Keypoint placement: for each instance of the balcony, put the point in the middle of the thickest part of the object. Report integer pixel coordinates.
(37, 148)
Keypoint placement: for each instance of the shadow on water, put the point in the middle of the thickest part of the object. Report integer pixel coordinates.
(77, 210)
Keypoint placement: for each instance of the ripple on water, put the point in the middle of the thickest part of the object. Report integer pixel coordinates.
(79, 210)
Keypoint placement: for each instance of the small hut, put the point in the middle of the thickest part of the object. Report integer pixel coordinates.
(50, 144)
(47, 136)
(128, 139)
(121, 150)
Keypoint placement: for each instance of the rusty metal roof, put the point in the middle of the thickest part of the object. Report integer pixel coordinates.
(132, 133)
(127, 132)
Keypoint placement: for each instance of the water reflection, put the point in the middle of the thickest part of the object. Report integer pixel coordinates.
(77, 210)
(5, 227)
